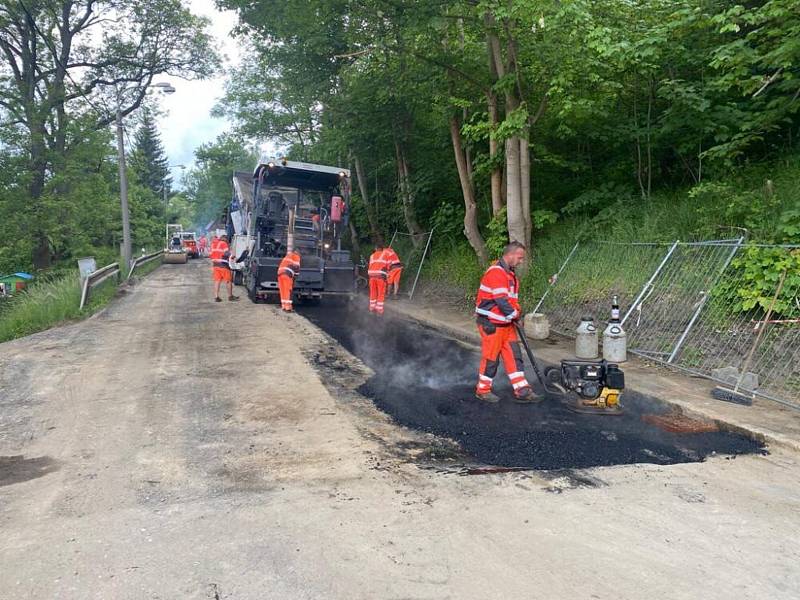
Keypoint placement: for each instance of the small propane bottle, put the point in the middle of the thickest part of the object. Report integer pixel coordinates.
(586, 339)
(615, 340)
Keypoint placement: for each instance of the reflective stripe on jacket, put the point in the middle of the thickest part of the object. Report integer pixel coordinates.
(290, 265)
(498, 295)
(220, 253)
(378, 264)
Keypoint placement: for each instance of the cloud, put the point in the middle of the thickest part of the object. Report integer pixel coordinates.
(187, 122)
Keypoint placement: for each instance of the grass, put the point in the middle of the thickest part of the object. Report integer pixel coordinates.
(54, 300)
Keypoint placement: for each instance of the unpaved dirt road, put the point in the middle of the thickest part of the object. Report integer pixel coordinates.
(177, 448)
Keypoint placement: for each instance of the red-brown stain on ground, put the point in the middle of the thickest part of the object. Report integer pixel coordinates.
(680, 423)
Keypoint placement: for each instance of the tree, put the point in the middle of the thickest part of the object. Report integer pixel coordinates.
(208, 183)
(68, 66)
(520, 110)
(148, 161)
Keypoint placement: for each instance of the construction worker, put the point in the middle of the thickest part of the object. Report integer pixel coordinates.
(287, 271)
(378, 271)
(202, 244)
(221, 270)
(497, 309)
(315, 221)
(395, 270)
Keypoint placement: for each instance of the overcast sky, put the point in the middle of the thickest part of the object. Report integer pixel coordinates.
(188, 122)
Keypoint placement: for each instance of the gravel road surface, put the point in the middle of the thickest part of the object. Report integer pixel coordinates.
(176, 448)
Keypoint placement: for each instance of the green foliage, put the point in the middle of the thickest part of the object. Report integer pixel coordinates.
(761, 271)
(208, 183)
(542, 218)
(594, 200)
(496, 234)
(447, 220)
(789, 227)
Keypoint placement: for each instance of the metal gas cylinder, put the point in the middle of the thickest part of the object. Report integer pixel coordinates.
(615, 343)
(586, 340)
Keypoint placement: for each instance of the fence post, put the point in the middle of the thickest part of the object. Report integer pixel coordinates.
(549, 287)
(421, 261)
(650, 281)
(703, 301)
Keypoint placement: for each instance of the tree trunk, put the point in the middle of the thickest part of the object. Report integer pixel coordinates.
(374, 229)
(514, 214)
(498, 200)
(407, 194)
(649, 145)
(639, 179)
(496, 70)
(468, 190)
(525, 187)
(42, 257)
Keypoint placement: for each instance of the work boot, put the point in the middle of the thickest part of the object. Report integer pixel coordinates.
(488, 397)
(233, 298)
(527, 396)
(217, 299)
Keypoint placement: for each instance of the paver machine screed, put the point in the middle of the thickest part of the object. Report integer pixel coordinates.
(287, 204)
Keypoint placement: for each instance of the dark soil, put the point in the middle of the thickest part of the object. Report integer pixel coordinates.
(425, 381)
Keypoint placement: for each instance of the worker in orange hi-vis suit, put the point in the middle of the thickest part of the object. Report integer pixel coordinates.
(497, 308)
(221, 270)
(288, 270)
(378, 272)
(395, 270)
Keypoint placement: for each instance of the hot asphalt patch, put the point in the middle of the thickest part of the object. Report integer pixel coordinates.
(425, 381)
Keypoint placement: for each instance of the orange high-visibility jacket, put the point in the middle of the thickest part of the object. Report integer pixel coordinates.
(290, 265)
(498, 295)
(219, 253)
(393, 260)
(378, 264)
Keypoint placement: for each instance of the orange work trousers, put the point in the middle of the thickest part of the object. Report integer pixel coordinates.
(502, 343)
(394, 276)
(377, 294)
(285, 286)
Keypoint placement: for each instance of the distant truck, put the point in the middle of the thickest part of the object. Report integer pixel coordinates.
(285, 204)
(189, 243)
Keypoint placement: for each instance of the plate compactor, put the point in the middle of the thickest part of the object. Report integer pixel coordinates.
(587, 386)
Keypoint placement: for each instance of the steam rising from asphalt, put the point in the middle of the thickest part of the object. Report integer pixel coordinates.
(425, 361)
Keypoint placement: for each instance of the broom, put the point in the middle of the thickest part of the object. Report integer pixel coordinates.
(733, 395)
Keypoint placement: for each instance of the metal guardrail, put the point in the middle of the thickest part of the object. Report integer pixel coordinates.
(94, 279)
(99, 276)
(141, 260)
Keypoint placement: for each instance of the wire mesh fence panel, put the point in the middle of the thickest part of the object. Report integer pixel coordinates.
(594, 273)
(412, 251)
(672, 300)
(727, 331)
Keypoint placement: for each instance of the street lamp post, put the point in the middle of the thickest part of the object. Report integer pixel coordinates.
(162, 88)
(123, 194)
